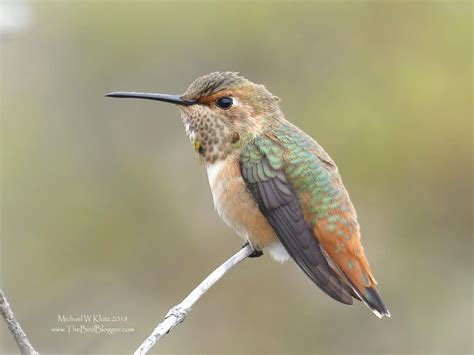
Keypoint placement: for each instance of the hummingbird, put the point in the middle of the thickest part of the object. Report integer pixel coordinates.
(274, 185)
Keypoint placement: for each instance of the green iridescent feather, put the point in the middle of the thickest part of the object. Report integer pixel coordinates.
(307, 166)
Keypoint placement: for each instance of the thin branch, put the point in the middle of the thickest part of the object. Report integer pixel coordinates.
(178, 313)
(14, 327)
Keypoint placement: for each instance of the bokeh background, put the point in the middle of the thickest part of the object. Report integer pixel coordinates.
(105, 208)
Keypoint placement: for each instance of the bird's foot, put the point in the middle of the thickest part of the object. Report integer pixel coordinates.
(255, 254)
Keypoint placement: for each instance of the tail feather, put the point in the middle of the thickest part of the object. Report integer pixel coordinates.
(372, 300)
(370, 296)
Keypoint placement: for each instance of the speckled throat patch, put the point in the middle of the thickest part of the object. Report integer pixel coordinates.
(211, 138)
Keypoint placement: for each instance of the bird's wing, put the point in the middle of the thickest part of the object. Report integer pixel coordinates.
(279, 203)
(292, 177)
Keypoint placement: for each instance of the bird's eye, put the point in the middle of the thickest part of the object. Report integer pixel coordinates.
(224, 102)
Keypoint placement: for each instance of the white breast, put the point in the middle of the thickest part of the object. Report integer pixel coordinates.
(221, 182)
(237, 208)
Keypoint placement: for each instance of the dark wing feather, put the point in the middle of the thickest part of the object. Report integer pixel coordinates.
(279, 203)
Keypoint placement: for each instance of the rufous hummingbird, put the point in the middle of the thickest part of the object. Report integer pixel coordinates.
(274, 185)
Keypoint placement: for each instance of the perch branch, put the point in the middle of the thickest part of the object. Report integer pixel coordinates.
(178, 313)
(14, 327)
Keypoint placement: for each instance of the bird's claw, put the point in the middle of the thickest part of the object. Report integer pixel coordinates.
(255, 254)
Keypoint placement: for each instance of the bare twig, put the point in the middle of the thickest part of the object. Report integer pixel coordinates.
(14, 327)
(178, 313)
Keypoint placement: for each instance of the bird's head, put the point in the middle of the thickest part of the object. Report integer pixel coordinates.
(221, 111)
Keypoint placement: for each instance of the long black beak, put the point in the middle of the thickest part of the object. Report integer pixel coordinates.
(173, 99)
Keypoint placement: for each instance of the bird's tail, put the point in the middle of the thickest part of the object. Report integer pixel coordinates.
(368, 295)
(372, 300)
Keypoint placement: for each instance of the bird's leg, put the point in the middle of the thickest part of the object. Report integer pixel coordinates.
(256, 253)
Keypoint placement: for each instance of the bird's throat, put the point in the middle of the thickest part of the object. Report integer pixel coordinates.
(211, 139)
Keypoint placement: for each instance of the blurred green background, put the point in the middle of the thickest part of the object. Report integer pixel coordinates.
(105, 208)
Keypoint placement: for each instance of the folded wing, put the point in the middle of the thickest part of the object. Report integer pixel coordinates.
(279, 203)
